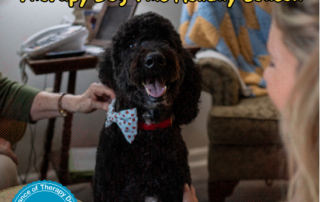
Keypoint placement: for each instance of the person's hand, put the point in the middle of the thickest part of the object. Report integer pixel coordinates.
(97, 96)
(5, 148)
(189, 195)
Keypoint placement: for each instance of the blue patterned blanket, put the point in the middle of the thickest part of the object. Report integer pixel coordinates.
(240, 33)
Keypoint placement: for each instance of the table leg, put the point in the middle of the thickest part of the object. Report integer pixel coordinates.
(66, 135)
(49, 133)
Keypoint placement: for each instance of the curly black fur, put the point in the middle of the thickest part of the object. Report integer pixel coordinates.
(156, 163)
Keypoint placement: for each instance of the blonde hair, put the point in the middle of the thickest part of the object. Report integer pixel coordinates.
(299, 21)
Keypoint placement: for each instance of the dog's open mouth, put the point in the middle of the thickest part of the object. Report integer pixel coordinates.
(155, 88)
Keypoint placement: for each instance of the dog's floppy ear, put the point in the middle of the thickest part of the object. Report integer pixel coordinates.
(106, 70)
(186, 104)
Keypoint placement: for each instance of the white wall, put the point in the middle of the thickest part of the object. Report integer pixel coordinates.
(18, 21)
(169, 10)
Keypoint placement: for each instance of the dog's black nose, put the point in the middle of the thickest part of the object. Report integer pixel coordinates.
(153, 59)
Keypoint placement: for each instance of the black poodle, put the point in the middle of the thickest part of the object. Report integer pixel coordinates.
(154, 76)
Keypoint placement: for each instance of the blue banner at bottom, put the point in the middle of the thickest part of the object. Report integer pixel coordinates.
(44, 191)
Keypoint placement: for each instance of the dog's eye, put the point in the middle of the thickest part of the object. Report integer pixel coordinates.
(132, 46)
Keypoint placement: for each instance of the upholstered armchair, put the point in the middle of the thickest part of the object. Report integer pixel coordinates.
(244, 142)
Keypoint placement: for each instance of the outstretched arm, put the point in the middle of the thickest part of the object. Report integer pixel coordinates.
(45, 105)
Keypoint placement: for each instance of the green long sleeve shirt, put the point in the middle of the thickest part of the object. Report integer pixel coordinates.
(16, 100)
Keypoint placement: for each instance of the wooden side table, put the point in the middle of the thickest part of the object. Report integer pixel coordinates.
(58, 66)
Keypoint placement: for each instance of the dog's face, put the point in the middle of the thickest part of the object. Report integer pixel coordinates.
(148, 67)
(147, 63)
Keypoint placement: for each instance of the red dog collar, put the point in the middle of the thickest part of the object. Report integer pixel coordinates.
(164, 124)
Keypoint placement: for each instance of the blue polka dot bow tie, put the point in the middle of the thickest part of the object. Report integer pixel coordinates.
(127, 121)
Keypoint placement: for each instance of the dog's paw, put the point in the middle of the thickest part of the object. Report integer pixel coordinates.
(151, 199)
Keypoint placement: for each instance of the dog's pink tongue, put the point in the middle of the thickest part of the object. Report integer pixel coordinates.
(157, 88)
